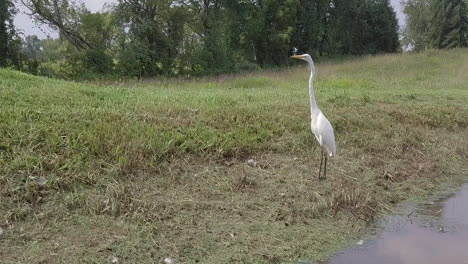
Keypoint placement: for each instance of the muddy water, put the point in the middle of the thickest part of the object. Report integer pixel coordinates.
(431, 234)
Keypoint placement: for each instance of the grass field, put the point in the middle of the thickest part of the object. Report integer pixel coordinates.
(147, 170)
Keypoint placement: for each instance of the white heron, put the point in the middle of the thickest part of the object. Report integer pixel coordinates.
(321, 127)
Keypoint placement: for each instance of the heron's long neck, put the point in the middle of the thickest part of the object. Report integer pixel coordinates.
(313, 102)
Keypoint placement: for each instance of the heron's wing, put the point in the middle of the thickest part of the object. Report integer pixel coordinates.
(327, 135)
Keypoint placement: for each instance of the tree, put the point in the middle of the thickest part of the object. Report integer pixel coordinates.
(51, 50)
(212, 23)
(89, 34)
(416, 34)
(311, 28)
(145, 47)
(436, 24)
(449, 23)
(98, 29)
(62, 15)
(383, 26)
(8, 37)
(356, 27)
(32, 50)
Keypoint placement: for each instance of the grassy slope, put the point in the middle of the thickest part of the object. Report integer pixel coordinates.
(157, 170)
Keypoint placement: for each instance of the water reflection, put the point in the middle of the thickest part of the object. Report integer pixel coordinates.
(438, 235)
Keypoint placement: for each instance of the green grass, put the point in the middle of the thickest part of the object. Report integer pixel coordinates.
(147, 170)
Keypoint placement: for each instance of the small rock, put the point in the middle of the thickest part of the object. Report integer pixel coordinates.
(360, 242)
(169, 261)
(1, 231)
(251, 163)
(42, 181)
(115, 260)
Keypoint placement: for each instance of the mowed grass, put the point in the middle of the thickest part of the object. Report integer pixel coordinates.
(147, 170)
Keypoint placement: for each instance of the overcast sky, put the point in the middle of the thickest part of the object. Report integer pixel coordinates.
(28, 27)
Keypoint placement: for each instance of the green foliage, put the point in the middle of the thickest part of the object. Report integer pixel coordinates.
(310, 32)
(144, 44)
(449, 23)
(62, 15)
(97, 28)
(52, 49)
(9, 41)
(202, 37)
(384, 28)
(86, 40)
(272, 44)
(32, 51)
(417, 30)
(436, 24)
(46, 57)
(32, 47)
(362, 27)
(98, 61)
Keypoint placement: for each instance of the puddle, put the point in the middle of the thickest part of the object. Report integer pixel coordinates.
(432, 234)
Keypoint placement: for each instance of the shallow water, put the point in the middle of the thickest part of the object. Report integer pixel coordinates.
(434, 233)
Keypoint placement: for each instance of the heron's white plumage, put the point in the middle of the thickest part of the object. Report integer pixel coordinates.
(323, 131)
(321, 127)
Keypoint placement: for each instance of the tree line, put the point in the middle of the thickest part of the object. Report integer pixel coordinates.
(148, 38)
(436, 24)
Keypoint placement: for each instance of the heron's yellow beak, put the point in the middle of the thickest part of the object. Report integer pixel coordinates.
(297, 56)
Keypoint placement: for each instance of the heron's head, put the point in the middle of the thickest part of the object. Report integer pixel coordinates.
(305, 57)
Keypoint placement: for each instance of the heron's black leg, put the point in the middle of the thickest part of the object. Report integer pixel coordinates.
(325, 167)
(321, 161)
